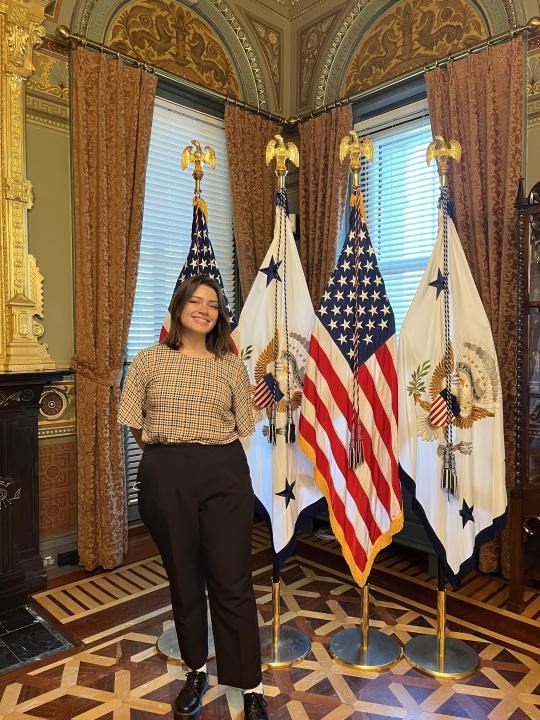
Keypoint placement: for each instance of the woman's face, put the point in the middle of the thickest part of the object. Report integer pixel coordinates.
(201, 311)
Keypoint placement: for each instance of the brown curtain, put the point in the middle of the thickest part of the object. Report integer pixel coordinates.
(479, 102)
(112, 106)
(323, 192)
(252, 187)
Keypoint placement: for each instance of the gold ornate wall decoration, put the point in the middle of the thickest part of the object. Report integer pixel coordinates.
(311, 40)
(20, 281)
(533, 75)
(271, 44)
(533, 83)
(52, 10)
(51, 76)
(47, 96)
(57, 409)
(412, 34)
(169, 35)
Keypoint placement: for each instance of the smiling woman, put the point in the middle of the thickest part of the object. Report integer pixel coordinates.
(199, 319)
(187, 402)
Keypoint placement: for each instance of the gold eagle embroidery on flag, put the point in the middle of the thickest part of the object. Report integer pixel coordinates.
(293, 364)
(475, 391)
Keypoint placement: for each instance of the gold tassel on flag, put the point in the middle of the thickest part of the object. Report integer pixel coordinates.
(356, 450)
(201, 203)
(352, 146)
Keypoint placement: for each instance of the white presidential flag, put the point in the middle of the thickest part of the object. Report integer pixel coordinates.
(459, 523)
(272, 338)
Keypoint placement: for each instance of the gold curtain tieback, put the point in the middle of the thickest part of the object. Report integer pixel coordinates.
(107, 378)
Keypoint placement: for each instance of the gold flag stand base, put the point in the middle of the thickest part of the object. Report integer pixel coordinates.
(380, 653)
(457, 660)
(365, 648)
(438, 655)
(167, 644)
(281, 646)
(291, 648)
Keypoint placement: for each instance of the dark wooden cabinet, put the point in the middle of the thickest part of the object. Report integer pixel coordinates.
(21, 566)
(525, 495)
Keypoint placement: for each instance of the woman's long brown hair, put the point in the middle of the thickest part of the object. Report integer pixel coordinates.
(218, 340)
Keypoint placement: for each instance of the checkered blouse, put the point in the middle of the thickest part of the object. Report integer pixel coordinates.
(176, 398)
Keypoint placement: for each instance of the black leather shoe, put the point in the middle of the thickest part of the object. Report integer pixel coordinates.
(188, 703)
(254, 707)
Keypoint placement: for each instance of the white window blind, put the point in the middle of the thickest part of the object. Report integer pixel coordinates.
(166, 231)
(401, 194)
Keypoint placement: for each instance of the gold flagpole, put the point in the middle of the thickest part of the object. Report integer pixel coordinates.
(442, 656)
(372, 649)
(281, 646)
(167, 643)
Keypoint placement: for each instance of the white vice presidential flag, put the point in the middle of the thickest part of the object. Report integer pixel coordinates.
(272, 338)
(456, 524)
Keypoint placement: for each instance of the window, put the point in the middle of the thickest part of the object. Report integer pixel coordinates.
(166, 232)
(401, 194)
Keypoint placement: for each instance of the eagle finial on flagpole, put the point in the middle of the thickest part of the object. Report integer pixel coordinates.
(441, 152)
(353, 146)
(282, 152)
(193, 154)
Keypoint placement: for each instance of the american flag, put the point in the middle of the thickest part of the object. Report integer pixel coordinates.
(200, 261)
(354, 328)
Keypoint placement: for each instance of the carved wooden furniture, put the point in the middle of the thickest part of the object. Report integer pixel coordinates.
(21, 566)
(525, 495)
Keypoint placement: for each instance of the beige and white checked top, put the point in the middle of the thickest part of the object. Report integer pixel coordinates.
(176, 398)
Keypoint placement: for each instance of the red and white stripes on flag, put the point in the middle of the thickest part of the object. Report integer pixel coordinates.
(438, 411)
(365, 502)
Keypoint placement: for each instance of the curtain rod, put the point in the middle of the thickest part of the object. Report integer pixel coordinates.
(65, 35)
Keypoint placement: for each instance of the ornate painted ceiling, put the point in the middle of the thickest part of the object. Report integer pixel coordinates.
(289, 56)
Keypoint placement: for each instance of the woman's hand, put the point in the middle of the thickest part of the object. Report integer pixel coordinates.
(137, 434)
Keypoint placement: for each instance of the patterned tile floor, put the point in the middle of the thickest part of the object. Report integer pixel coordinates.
(488, 590)
(116, 672)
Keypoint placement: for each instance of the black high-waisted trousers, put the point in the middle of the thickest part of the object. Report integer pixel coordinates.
(197, 502)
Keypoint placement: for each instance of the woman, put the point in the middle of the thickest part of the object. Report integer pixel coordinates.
(187, 401)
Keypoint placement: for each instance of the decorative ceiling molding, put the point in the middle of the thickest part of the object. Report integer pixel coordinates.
(346, 25)
(270, 40)
(288, 3)
(251, 57)
(311, 39)
(501, 16)
(92, 18)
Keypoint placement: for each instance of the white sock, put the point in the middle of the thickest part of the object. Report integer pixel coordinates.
(202, 669)
(258, 689)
